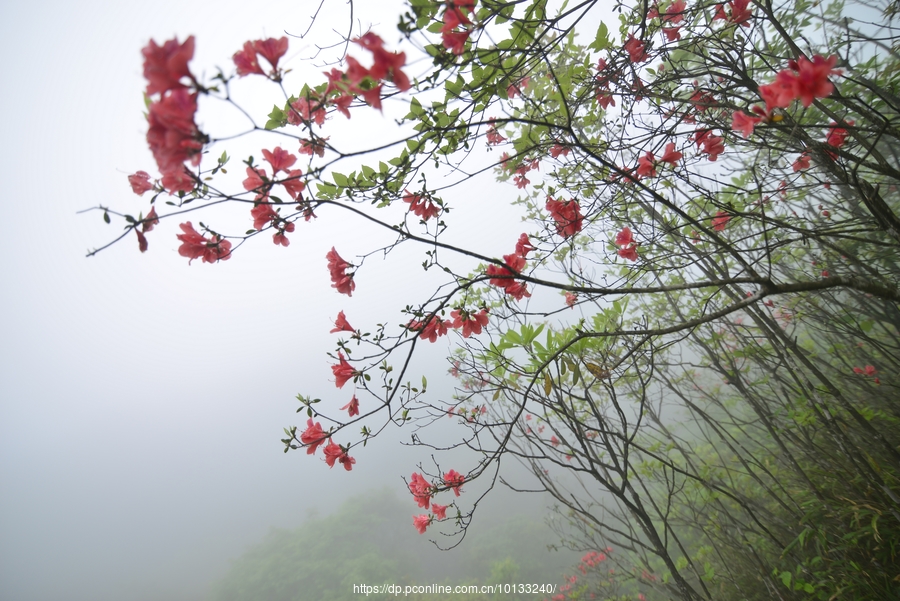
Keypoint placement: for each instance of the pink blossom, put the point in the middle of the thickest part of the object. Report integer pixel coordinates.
(567, 214)
(421, 206)
(352, 407)
(421, 522)
(313, 436)
(293, 184)
(744, 123)
(340, 279)
(470, 322)
(523, 246)
(801, 163)
(195, 246)
(635, 49)
(440, 511)
(454, 480)
(246, 62)
(432, 330)
(720, 221)
(271, 50)
(279, 158)
(335, 453)
(140, 182)
(420, 489)
(263, 214)
(341, 325)
(166, 65)
(343, 371)
(571, 299)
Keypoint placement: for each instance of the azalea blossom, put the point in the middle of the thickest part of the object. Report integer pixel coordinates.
(263, 214)
(173, 138)
(271, 50)
(280, 159)
(352, 407)
(523, 246)
(432, 330)
(313, 436)
(567, 214)
(421, 522)
(720, 221)
(246, 61)
(470, 322)
(744, 123)
(801, 163)
(421, 489)
(341, 325)
(343, 371)
(454, 480)
(628, 246)
(195, 246)
(439, 511)
(421, 206)
(635, 49)
(340, 280)
(166, 65)
(335, 453)
(140, 182)
(571, 299)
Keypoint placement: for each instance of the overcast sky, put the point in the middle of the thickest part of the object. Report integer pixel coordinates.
(142, 399)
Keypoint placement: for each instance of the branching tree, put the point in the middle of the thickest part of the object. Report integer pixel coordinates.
(694, 343)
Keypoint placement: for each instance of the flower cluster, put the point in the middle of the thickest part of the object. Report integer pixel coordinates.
(340, 279)
(314, 437)
(172, 134)
(195, 246)
(421, 206)
(567, 214)
(247, 59)
(423, 492)
(457, 26)
(803, 80)
(503, 277)
(627, 245)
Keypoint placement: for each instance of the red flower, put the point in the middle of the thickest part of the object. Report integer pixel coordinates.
(279, 158)
(554, 441)
(454, 480)
(559, 149)
(675, 12)
(455, 42)
(801, 163)
(494, 136)
(195, 246)
(340, 280)
(720, 221)
(432, 330)
(293, 185)
(341, 325)
(672, 34)
(567, 215)
(670, 155)
(385, 63)
(173, 138)
(421, 522)
(313, 436)
(471, 323)
(335, 453)
(779, 93)
(440, 511)
(140, 182)
(306, 111)
(352, 407)
(571, 299)
(744, 123)
(421, 206)
(343, 371)
(811, 81)
(420, 489)
(165, 65)
(635, 49)
(523, 246)
(629, 246)
(646, 166)
(263, 215)
(246, 62)
(271, 50)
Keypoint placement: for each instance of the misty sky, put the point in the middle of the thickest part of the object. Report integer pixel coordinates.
(142, 399)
